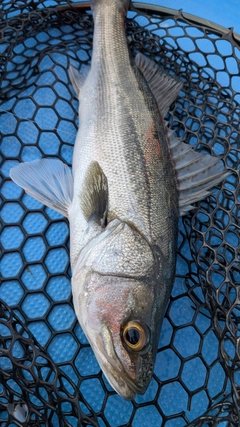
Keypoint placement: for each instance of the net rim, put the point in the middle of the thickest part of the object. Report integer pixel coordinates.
(167, 11)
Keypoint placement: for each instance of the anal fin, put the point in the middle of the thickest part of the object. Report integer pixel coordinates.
(77, 78)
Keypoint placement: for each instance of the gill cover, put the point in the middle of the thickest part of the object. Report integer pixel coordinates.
(119, 250)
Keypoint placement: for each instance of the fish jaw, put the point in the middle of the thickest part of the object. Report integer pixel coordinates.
(124, 384)
(103, 304)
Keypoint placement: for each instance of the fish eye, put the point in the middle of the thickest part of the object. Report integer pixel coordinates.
(135, 335)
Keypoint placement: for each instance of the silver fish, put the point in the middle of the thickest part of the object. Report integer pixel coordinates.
(130, 181)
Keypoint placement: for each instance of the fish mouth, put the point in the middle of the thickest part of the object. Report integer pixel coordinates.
(113, 369)
(123, 377)
(118, 378)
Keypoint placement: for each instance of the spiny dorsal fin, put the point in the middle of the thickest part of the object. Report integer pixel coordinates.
(47, 180)
(197, 172)
(164, 88)
(94, 195)
(77, 78)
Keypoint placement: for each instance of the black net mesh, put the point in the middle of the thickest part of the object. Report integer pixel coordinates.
(48, 374)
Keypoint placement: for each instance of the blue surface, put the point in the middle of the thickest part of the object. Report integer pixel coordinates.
(222, 12)
(35, 246)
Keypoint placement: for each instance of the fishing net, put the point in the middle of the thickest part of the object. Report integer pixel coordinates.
(48, 373)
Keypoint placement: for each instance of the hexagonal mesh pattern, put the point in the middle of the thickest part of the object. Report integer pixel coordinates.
(48, 373)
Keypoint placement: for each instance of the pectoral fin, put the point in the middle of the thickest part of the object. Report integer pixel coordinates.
(94, 195)
(47, 180)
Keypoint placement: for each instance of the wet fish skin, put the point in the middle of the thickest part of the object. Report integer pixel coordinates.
(119, 128)
(131, 179)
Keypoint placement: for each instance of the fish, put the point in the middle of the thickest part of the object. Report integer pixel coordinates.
(130, 181)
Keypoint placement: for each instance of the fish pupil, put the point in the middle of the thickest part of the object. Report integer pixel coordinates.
(133, 336)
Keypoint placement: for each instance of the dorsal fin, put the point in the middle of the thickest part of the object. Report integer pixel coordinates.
(197, 172)
(164, 88)
(94, 195)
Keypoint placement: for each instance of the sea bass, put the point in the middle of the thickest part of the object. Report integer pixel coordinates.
(130, 181)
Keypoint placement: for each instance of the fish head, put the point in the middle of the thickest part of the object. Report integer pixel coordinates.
(117, 308)
(120, 323)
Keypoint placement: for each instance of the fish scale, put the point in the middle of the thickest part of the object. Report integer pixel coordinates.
(131, 179)
(110, 43)
(114, 140)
